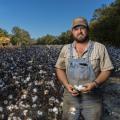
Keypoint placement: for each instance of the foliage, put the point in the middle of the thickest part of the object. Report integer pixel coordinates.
(63, 38)
(105, 24)
(3, 33)
(20, 36)
(48, 39)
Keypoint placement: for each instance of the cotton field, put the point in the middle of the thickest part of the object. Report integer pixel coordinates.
(29, 89)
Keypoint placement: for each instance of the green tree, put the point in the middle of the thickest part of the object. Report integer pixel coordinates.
(3, 33)
(105, 24)
(48, 39)
(20, 36)
(65, 38)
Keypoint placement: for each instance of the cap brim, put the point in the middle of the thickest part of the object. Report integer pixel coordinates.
(79, 25)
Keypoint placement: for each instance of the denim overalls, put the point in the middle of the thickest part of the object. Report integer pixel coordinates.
(86, 106)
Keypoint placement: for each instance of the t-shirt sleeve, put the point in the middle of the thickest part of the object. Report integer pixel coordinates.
(61, 59)
(105, 61)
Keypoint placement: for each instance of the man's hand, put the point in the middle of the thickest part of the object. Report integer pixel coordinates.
(71, 90)
(88, 87)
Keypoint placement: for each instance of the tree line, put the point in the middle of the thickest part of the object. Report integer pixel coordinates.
(104, 27)
(105, 24)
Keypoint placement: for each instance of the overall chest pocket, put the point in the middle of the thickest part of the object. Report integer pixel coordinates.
(78, 70)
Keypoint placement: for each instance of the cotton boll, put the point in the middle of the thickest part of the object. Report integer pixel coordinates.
(72, 110)
(46, 92)
(34, 98)
(1, 109)
(5, 102)
(39, 112)
(79, 87)
(35, 90)
(25, 112)
(10, 96)
(55, 110)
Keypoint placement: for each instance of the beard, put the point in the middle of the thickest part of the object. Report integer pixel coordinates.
(81, 38)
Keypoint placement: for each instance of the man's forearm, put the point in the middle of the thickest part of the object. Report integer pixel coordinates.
(102, 77)
(62, 76)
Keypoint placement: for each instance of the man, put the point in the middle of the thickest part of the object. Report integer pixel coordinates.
(86, 63)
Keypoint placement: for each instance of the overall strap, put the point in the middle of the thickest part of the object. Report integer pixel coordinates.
(90, 50)
(71, 51)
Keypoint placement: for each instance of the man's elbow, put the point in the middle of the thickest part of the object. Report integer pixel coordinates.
(107, 73)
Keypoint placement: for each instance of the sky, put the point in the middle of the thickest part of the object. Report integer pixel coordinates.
(41, 17)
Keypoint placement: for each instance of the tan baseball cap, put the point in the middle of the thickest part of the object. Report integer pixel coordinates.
(79, 21)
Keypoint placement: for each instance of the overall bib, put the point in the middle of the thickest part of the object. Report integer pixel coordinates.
(86, 106)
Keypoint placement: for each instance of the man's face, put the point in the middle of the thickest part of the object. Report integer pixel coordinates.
(80, 34)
